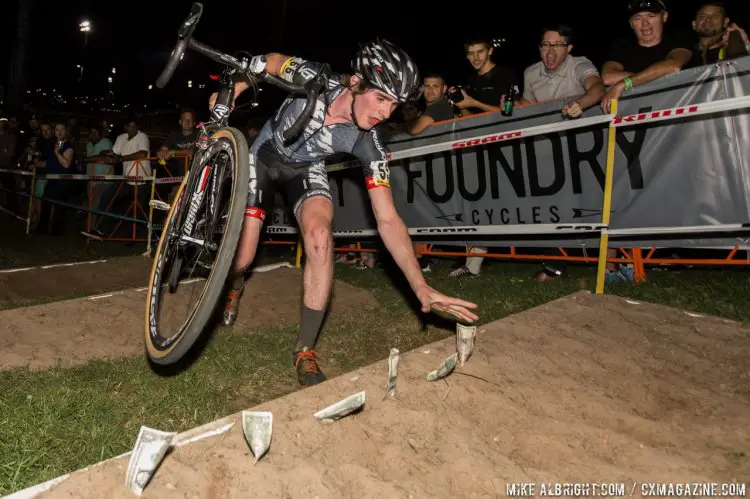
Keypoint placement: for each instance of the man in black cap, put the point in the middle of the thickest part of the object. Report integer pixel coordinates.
(652, 54)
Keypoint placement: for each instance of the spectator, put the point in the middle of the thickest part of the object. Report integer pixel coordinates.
(132, 148)
(58, 159)
(180, 142)
(8, 161)
(47, 141)
(712, 25)
(485, 88)
(560, 75)
(438, 108)
(651, 55)
(97, 158)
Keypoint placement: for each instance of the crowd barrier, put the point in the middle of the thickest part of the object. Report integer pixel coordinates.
(614, 122)
(435, 217)
(136, 215)
(452, 231)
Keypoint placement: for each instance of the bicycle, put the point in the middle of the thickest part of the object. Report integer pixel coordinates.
(209, 203)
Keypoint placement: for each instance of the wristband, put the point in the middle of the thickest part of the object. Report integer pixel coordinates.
(628, 83)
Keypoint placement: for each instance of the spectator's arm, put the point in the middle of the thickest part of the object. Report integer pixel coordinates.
(100, 157)
(595, 91)
(164, 153)
(420, 124)
(66, 158)
(613, 73)
(142, 154)
(674, 62)
(472, 102)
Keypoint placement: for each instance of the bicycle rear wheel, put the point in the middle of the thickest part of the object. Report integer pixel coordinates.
(197, 246)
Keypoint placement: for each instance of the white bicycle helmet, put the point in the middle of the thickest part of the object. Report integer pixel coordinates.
(386, 67)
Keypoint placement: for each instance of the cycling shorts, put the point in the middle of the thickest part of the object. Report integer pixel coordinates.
(295, 181)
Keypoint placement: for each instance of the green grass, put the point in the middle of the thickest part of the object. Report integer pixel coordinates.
(56, 421)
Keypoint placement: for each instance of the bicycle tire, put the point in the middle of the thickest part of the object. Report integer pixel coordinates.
(196, 323)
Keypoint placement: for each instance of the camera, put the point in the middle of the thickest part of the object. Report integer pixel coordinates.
(456, 95)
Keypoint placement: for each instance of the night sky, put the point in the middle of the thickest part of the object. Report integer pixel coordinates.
(136, 36)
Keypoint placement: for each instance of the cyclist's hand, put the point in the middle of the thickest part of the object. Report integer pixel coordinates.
(212, 101)
(435, 301)
(239, 87)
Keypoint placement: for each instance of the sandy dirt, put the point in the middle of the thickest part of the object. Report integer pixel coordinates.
(583, 389)
(66, 281)
(110, 326)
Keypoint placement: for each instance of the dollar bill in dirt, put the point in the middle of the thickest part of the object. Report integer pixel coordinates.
(342, 408)
(465, 342)
(148, 452)
(258, 428)
(445, 368)
(390, 387)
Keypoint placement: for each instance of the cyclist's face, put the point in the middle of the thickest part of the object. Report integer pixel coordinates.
(373, 107)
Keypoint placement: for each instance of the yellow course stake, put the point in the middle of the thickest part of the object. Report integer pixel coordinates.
(607, 206)
(298, 259)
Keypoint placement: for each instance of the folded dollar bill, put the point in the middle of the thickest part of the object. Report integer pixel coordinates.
(342, 408)
(258, 428)
(445, 368)
(465, 342)
(148, 452)
(390, 387)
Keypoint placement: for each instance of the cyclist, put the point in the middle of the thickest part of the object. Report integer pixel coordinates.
(344, 120)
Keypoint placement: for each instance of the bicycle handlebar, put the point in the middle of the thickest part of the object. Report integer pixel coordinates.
(311, 89)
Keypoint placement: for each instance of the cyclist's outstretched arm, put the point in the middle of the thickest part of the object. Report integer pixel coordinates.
(395, 235)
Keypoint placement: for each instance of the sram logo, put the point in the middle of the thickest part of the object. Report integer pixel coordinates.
(445, 230)
(656, 114)
(581, 227)
(486, 140)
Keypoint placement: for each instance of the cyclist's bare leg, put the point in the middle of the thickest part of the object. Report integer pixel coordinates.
(248, 245)
(246, 249)
(315, 218)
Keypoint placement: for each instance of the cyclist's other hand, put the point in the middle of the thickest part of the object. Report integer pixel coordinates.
(435, 301)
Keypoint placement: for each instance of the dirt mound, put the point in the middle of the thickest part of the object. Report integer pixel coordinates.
(584, 389)
(110, 326)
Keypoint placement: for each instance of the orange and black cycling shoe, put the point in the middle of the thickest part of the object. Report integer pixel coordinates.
(232, 307)
(306, 363)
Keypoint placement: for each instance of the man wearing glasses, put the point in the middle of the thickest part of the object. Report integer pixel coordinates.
(560, 75)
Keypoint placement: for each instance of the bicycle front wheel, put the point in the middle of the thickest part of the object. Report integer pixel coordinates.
(197, 246)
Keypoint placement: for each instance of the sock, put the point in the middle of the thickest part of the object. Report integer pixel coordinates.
(238, 282)
(309, 327)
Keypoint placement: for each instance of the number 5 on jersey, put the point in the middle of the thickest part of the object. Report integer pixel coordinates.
(381, 175)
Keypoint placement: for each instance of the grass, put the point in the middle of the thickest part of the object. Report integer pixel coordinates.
(55, 421)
